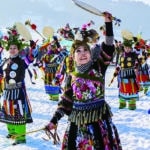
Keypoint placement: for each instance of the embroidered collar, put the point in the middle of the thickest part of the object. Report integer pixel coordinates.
(84, 68)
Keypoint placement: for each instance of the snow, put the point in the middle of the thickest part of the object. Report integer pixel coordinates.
(133, 126)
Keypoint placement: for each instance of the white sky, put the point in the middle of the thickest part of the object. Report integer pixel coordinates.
(56, 13)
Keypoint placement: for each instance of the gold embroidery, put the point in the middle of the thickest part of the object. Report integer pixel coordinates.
(129, 64)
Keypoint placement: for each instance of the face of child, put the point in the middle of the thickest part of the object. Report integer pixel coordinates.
(13, 50)
(82, 55)
(127, 49)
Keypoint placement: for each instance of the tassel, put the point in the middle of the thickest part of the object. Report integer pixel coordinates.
(128, 72)
(85, 117)
(8, 94)
(100, 115)
(15, 95)
(76, 118)
(124, 74)
(96, 115)
(93, 116)
(73, 116)
(82, 118)
(79, 119)
(18, 91)
(89, 119)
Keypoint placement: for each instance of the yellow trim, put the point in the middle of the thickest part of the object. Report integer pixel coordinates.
(132, 85)
(124, 87)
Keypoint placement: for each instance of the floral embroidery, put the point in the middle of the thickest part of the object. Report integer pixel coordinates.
(85, 89)
(85, 138)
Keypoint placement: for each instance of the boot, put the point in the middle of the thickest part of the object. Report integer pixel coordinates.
(145, 90)
(54, 97)
(122, 103)
(132, 104)
(11, 131)
(20, 131)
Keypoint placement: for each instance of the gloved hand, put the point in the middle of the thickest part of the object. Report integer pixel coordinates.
(50, 126)
(32, 44)
(108, 16)
(52, 135)
(116, 71)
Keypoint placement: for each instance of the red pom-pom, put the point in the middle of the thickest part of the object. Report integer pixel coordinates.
(33, 26)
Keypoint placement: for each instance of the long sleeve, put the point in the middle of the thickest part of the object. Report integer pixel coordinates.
(104, 52)
(109, 33)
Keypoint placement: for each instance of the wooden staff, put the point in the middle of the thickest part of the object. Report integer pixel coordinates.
(18, 135)
(54, 136)
(112, 80)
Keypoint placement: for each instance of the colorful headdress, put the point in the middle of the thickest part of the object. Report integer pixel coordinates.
(84, 36)
(127, 38)
(139, 43)
(66, 32)
(13, 37)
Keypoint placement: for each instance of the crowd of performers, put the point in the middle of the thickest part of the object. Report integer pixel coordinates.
(20, 57)
(132, 70)
(58, 67)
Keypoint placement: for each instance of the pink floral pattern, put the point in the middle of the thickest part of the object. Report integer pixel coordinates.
(85, 139)
(86, 88)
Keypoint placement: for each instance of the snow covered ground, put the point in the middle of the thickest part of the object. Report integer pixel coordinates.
(133, 126)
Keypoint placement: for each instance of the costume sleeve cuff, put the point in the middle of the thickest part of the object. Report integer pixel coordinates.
(109, 40)
(57, 116)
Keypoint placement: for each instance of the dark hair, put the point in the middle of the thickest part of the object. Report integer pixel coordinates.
(77, 44)
(14, 43)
